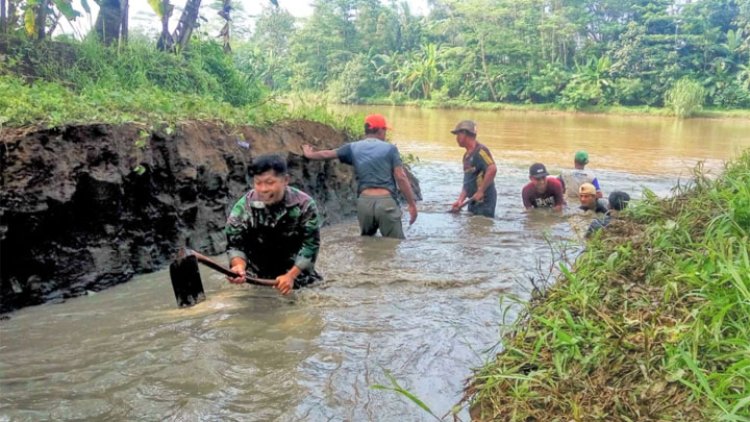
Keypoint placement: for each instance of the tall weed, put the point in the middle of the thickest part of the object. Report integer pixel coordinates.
(685, 98)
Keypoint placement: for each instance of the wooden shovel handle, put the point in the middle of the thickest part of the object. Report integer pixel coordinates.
(463, 204)
(203, 259)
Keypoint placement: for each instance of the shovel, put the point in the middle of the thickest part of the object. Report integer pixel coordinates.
(186, 278)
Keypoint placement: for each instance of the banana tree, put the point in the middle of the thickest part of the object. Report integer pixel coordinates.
(179, 39)
(40, 17)
(421, 71)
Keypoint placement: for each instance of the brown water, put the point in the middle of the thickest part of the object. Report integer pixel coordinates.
(425, 310)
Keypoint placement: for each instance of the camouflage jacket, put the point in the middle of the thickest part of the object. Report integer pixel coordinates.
(273, 239)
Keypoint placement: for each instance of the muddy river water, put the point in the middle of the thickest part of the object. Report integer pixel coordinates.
(425, 310)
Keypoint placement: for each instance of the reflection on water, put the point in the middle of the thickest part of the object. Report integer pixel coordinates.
(425, 309)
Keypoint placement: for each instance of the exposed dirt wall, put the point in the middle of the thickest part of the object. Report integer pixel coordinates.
(76, 216)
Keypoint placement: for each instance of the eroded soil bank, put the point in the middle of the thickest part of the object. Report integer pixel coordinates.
(84, 207)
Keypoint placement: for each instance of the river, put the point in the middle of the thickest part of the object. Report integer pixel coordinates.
(424, 311)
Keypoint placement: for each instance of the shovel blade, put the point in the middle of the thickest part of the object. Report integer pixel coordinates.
(186, 281)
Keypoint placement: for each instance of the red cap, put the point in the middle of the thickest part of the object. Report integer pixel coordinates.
(376, 121)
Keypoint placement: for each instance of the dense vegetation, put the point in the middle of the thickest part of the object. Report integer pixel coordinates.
(653, 322)
(579, 54)
(59, 83)
(574, 53)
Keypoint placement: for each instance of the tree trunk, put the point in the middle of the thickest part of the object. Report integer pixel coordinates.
(11, 15)
(108, 22)
(40, 21)
(53, 24)
(124, 16)
(3, 18)
(226, 10)
(187, 23)
(166, 42)
(485, 70)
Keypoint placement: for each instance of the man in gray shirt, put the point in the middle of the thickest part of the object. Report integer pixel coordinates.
(379, 170)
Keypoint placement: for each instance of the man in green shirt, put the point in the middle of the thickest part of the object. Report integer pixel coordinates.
(274, 230)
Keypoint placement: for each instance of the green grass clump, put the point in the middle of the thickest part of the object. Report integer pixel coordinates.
(59, 83)
(652, 323)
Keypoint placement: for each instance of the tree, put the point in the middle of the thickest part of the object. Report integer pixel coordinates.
(419, 73)
(111, 23)
(178, 40)
(324, 45)
(3, 18)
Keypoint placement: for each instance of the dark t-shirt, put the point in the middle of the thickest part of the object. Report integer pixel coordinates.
(599, 224)
(551, 197)
(476, 163)
(373, 161)
(601, 206)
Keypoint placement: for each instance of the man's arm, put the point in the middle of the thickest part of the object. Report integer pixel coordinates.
(489, 177)
(308, 251)
(239, 266)
(526, 197)
(599, 193)
(461, 197)
(557, 191)
(235, 231)
(311, 154)
(405, 187)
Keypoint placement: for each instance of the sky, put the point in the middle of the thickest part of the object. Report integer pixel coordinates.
(143, 18)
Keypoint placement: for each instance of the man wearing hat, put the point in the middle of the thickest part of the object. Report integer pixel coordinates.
(589, 201)
(573, 179)
(479, 172)
(618, 200)
(379, 170)
(542, 191)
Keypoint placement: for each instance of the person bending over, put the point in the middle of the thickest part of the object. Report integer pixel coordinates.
(378, 167)
(542, 191)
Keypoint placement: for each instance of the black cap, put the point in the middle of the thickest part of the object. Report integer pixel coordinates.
(537, 170)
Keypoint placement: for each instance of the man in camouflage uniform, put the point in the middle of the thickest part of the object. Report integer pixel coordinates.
(274, 230)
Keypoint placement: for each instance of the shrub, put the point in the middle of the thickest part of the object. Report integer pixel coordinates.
(685, 98)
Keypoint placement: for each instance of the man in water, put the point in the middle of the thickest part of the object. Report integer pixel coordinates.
(589, 201)
(274, 229)
(379, 170)
(617, 202)
(479, 172)
(573, 179)
(542, 191)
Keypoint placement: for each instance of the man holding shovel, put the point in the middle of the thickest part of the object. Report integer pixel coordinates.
(274, 230)
(479, 173)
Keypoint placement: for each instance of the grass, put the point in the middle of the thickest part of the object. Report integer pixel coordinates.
(61, 83)
(651, 323)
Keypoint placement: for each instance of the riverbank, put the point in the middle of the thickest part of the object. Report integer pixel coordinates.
(557, 108)
(651, 323)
